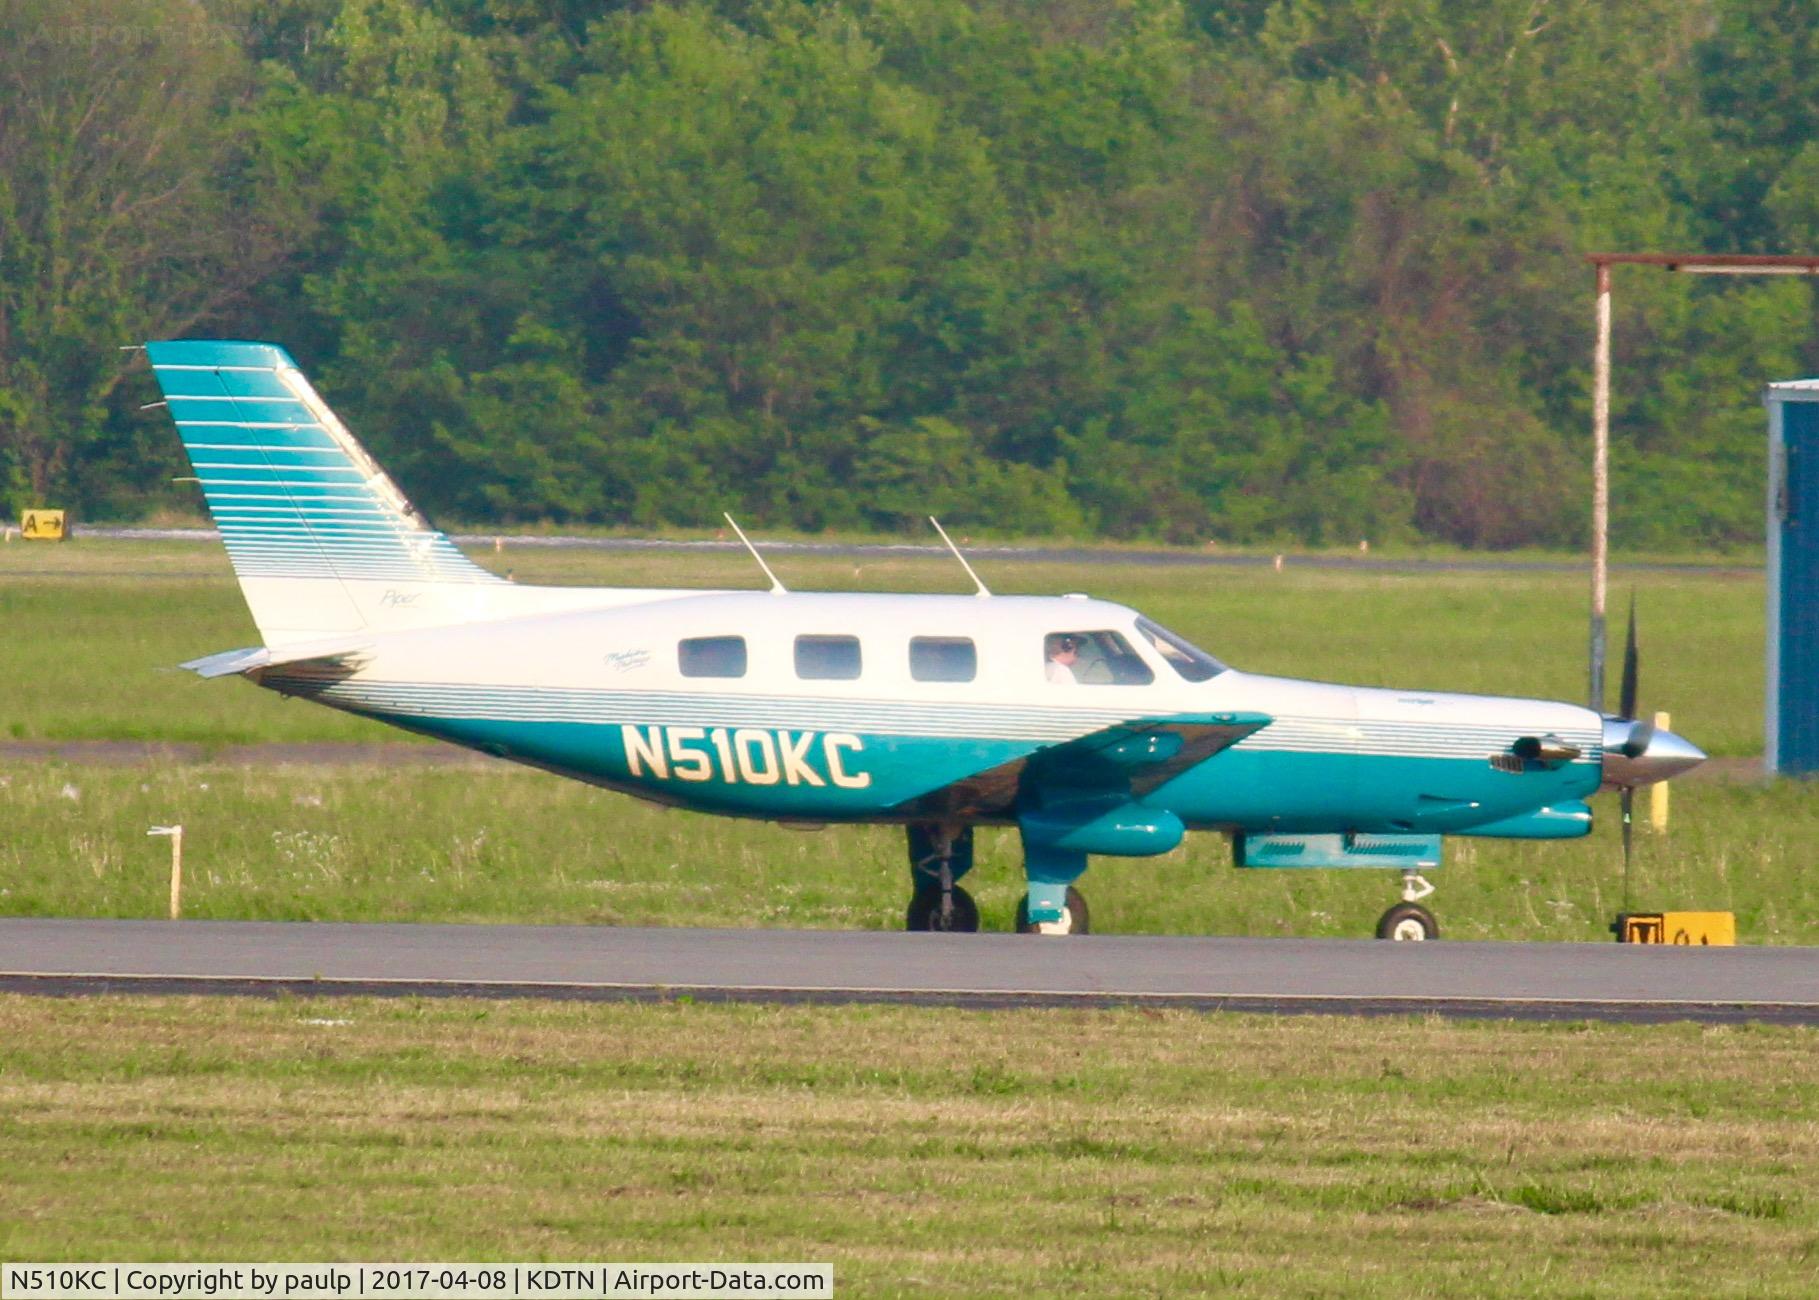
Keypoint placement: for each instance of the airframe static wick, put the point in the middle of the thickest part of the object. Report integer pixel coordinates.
(1085, 725)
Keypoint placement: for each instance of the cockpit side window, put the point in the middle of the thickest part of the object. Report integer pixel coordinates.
(1186, 658)
(1094, 658)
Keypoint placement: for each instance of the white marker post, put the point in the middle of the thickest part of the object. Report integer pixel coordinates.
(176, 834)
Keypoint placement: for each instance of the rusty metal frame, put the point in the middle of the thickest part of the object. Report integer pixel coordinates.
(1684, 263)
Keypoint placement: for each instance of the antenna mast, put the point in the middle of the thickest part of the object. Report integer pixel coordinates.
(956, 550)
(777, 588)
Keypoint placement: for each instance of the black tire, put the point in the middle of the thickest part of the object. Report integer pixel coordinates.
(1408, 922)
(925, 912)
(1079, 921)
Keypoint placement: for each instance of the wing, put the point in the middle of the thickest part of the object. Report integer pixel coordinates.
(1128, 758)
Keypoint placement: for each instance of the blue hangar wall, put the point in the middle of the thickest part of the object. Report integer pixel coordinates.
(1792, 741)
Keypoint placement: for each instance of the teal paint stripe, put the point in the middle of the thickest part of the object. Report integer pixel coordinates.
(228, 472)
(254, 383)
(291, 548)
(277, 533)
(298, 438)
(286, 485)
(310, 501)
(265, 453)
(236, 509)
(230, 467)
(898, 768)
(233, 412)
(349, 556)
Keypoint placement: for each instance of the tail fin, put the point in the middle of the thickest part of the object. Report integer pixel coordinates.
(323, 543)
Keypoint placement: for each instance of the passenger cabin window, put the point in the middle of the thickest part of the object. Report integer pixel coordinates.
(1100, 658)
(827, 658)
(712, 656)
(1186, 658)
(943, 659)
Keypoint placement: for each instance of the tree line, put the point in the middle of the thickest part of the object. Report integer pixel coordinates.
(1244, 270)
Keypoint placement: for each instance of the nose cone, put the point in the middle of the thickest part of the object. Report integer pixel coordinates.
(1636, 753)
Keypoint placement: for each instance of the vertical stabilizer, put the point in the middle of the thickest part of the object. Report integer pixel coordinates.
(322, 541)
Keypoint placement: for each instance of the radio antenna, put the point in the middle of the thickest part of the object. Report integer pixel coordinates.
(956, 550)
(777, 588)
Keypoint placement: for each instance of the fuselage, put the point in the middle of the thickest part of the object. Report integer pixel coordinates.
(836, 707)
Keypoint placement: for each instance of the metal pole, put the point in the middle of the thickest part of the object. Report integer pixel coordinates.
(1601, 479)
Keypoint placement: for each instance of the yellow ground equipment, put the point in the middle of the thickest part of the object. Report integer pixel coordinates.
(1686, 929)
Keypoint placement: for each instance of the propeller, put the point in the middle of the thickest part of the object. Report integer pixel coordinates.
(1626, 705)
(1642, 732)
(1638, 753)
(1626, 699)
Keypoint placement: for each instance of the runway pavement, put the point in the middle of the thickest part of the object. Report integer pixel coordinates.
(1514, 980)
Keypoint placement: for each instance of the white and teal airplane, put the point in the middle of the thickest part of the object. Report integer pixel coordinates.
(1082, 723)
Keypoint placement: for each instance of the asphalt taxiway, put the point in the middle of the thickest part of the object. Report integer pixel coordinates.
(1365, 977)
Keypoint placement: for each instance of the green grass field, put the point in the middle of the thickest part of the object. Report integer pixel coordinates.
(921, 1151)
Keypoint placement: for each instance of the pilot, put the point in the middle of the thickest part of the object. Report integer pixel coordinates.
(1063, 654)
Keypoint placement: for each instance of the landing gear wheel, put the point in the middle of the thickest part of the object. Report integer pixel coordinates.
(961, 916)
(1074, 922)
(1408, 923)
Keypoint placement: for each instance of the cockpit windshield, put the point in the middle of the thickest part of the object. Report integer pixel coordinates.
(1186, 658)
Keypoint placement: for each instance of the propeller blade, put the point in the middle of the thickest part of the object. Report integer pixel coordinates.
(1626, 699)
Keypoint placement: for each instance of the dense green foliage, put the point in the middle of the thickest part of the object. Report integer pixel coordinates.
(1238, 269)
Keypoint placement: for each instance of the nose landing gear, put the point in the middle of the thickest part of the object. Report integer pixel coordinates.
(1408, 921)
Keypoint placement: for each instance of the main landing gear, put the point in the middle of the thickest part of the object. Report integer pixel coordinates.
(1073, 917)
(938, 857)
(1408, 921)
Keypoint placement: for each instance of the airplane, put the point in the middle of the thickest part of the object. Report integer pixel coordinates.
(1088, 727)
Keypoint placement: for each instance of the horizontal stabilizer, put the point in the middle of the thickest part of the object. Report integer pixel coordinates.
(227, 662)
(341, 651)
